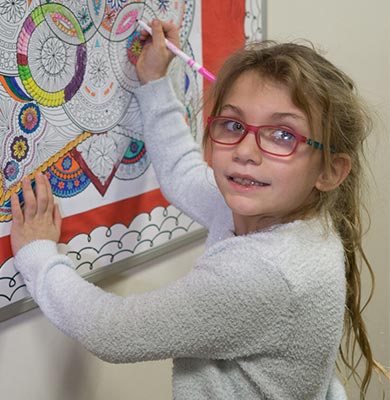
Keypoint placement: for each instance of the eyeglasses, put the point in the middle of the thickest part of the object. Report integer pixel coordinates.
(274, 140)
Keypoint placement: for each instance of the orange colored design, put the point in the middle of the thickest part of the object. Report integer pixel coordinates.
(5, 196)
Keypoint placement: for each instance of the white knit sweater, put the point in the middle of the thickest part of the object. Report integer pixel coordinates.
(259, 316)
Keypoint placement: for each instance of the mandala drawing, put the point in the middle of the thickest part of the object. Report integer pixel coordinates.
(67, 109)
(67, 73)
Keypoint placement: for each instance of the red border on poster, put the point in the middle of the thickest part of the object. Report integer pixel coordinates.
(120, 212)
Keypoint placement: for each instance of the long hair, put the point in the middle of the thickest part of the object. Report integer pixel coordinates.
(326, 94)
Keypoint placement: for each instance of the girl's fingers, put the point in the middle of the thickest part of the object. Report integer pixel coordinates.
(39, 202)
(50, 197)
(30, 204)
(158, 36)
(164, 30)
(17, 213)
(57, 217)
(41, 190)
(144, 35)
(171, 32)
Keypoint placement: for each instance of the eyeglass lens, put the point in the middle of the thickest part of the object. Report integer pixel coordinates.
(272, 139)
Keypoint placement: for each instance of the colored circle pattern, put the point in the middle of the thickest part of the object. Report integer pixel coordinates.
(29, 118)
(11, 170)
(134, 47)
(57, 98)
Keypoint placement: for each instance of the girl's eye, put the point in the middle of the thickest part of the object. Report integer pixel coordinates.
(233, 126)
(280, 135)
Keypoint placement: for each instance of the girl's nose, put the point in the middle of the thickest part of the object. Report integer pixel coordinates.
(248, 150)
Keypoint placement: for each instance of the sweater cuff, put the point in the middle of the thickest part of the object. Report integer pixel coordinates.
(35, 259)
(155, 94)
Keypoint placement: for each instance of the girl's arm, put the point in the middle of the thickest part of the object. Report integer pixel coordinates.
(214, 312)
(219, 310)
(184, 177)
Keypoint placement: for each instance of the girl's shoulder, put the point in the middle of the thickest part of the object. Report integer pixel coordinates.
(299, 252)
(297, 236)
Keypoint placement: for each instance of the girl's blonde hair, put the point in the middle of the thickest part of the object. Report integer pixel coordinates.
(326, 94)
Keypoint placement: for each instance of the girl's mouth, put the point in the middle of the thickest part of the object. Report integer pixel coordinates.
(246, 181)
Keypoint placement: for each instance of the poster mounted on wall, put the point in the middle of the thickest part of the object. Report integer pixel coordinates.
(67, 109)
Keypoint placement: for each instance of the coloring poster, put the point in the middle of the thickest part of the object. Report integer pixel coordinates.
(67, 109)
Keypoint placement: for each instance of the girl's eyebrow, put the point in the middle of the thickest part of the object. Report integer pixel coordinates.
(289, 115)
(233, 108)
(276, 116)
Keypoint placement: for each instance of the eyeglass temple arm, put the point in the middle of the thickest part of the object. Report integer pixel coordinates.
(318, 145)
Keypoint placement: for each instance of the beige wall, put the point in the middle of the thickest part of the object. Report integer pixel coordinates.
(39, 362)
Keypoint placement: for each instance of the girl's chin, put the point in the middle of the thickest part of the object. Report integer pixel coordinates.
(245, 210)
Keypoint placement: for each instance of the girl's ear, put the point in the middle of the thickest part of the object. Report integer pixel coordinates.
(339, 170)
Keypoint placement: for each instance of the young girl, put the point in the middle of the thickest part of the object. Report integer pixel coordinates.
(261, 314)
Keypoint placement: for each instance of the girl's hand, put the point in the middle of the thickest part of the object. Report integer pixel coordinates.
(155, 57)
(40, 218)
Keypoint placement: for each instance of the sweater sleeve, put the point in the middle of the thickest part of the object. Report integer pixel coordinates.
(213, 312)
(184, 177)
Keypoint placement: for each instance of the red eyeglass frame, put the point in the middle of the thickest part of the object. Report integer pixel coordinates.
(254, 129)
